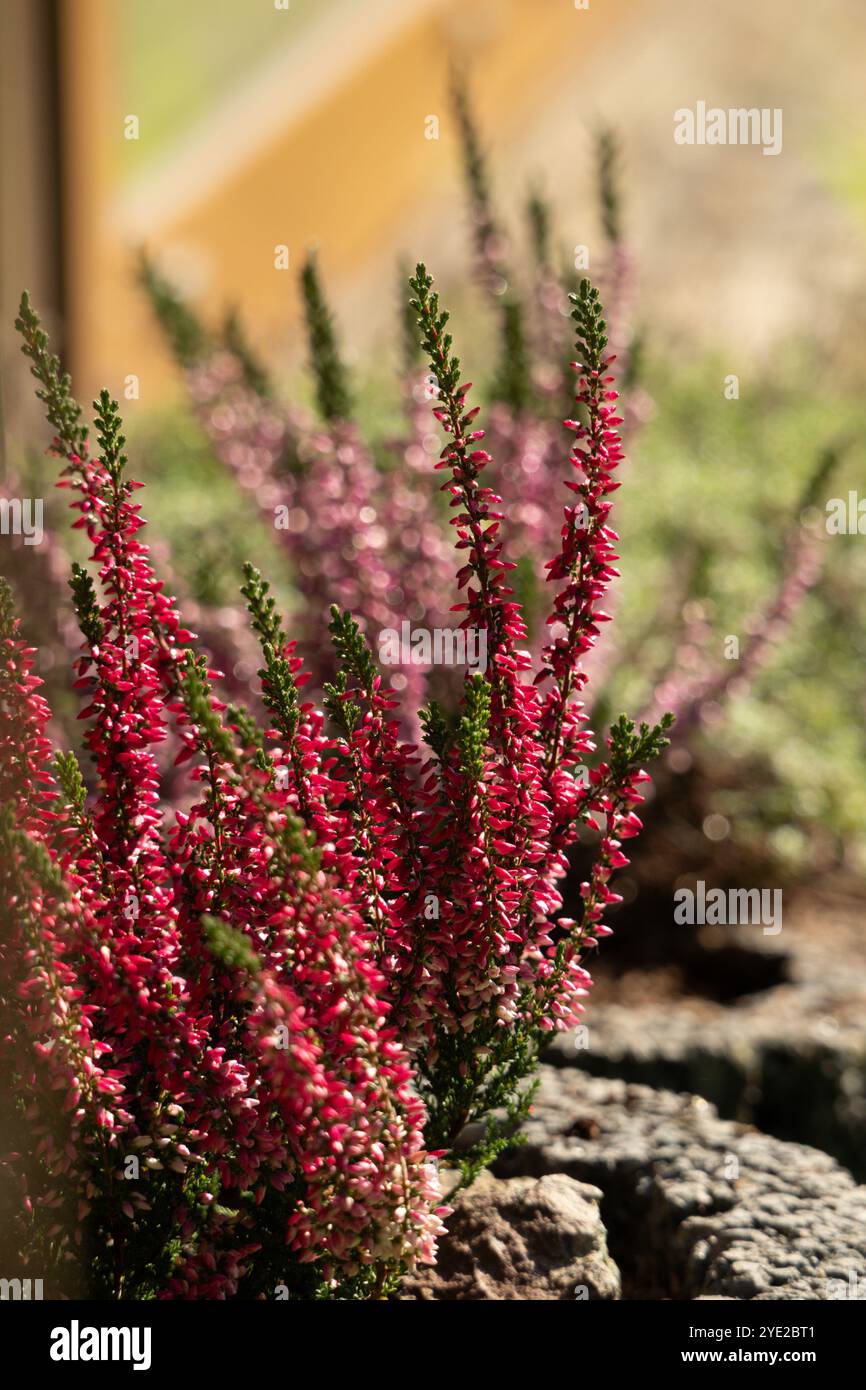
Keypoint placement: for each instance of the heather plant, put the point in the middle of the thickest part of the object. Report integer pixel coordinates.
(214, 1106)
(38, 575)
(356, 521)
(237, 1031)
(247, 1004)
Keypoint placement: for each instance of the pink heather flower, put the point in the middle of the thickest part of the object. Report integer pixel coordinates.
(112, 910)
(339, 930)
(71, 1104)
(355, 536)
(698, 682)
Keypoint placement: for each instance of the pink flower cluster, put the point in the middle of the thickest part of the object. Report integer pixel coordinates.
(357, 536)
(264, 1013)
(695, 685)
(525, 442)
(456, 855)
(206, 1073)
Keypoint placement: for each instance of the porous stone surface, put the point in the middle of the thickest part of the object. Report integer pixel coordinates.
(695, 1206)
(522, 1238)
(790, 1059)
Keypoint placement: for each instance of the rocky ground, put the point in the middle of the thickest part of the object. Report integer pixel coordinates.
(625, 1191)
(688, 1186)
(790, 1059)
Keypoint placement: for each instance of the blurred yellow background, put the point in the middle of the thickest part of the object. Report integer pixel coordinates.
(216, 131)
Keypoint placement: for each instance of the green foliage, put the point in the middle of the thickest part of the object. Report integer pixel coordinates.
(439, 730)
(235, 339)
(108, 433)
(345, 713)
(7, 609)
(279, 689)
(607, 159)
(410, 347)
(68, 774)
(501, 1131)
(183, 329)
(249, 733)
(630, 748)
(513, 383)
(472, 1084)
(634, 367)
(34, 858)
(472, 732)
(62, 410)
(351, 647)
(276, 1272)
(332, 391)
(195, 690)
(474, 163)
(538, 217)
(591, 327)
(86, 604)
(262, 608)
(230, 947)
(434, 340)
(827, 462)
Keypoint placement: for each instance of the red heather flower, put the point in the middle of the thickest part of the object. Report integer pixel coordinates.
(72, 1106)
(286, 999)
(455, 868)
(322, 1145)
(351, 1134)
(26, 785)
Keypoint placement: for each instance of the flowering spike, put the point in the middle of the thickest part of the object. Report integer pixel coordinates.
(182, 328)
(538, 218)
(254, 374)
(62, 410)
(86, 605)
(607, 160)
(109, 436)
(332, 392)
(341, 948)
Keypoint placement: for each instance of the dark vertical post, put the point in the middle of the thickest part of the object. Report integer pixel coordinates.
(31, 195)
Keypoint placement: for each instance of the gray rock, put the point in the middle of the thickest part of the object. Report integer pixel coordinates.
(695, 1206)
(791, 1060)
(522, 1238)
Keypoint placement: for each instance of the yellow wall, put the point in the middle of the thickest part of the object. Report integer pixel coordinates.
(346, 169)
